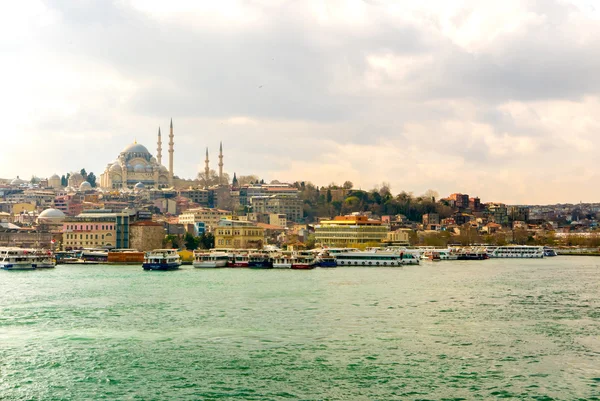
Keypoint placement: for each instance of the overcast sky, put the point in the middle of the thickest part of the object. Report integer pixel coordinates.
(498, 99)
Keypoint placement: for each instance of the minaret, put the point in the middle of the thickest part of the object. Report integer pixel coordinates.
(171, 143)
(221, 163)
(159, 149)
(206, 170)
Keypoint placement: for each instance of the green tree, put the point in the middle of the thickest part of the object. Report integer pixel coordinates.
(190, 241)
(172, 240)
(91, 178)
(63, 181)
(348, 185)
(329, 197)
(83, 173)
(207, 241)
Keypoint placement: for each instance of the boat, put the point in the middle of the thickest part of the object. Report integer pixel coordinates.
(549, 252)
(409, 258)
(515, 252)
(304, 260)
(43, 259)
(325, 259)
(238, 260)
(439, 254)
(282, 261)
(67, 258)
(16, 259)
(259, 260)
(370, 259)
(162, 259)
(94, 256)
(210, 259)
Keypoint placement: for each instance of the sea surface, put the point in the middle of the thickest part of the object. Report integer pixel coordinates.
(454, 330)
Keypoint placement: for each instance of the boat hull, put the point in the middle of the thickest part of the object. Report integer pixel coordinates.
(13, 266)
(296, 266)
(213, 265)
(161, 266)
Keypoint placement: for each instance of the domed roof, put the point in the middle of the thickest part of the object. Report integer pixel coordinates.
(163, 168)
(85, 186)
(139, 168)
(52, 214)
(116, 167)
(54, 177)
(139, 185)
(18, 181)
(135, 148)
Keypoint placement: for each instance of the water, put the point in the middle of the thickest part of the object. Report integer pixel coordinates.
(451, 330)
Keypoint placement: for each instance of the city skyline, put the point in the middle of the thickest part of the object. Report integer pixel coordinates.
(494, 100)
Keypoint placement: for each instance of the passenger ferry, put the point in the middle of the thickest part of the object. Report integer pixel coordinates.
(282, 261)
(439, 254)
(162, 259)
(259, 260)
(304, 260)
(238, 260)
(67, 258)
(210, 259)
(409, 258)
(549, 252)
(325, 259)
(515, 251)
(371, 259)
(16, 259)
(94, 256)
(44, 259)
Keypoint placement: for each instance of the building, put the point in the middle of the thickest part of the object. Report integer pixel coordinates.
(146, 235)
(518, 213)
(350, 231)
(278, 219)
(199, 196)
(431, 219)
(209, 216)
(24, 238)
(461, 201)
(54, 181)
(279, 204)
(97, 229)
(497, 213)
(71, 205)
(135, 165)
(398, 237)
(236, 234)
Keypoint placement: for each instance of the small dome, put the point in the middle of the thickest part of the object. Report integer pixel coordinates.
(129, 167)
(116, 167)
(139, 186)
(54, 177)
(149, 168)
(18, 181)
(164, 169)
(52, 214)
(135, 148)
(85, 186)
(139, 168)
(76, 175)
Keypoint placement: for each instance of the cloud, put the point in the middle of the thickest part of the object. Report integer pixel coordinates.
(470, 96)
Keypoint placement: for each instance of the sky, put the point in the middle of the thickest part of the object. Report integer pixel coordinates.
(494, 99)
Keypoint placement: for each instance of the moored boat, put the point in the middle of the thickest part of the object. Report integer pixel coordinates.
(162, 259)
(210, 259)
(325, 259)
(369, 259)
(238, 260)
(282, 261)
(515, 252)
(304, 260)
(259, 260)
(16, 259)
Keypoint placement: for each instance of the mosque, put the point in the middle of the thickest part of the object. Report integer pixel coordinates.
(136, 165)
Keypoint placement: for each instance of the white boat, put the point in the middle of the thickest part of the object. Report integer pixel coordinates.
(210, 259)
(282, 261)
(369, 259)
(16, 259)
(162, 259)
(304, 260)
(439, 254)
(43, 259)
(515, 251)
(409, 258)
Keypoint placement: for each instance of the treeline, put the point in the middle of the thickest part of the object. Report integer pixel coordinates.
(89, 177)
(322, 202)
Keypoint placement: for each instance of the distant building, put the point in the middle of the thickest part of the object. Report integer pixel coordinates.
(497, 213)
(518, 213)
(279, 204)
(398, 237)
(461, 201)
(209, 216)
(350, 230)
(146, 235)
(431, 218)
(239, 235)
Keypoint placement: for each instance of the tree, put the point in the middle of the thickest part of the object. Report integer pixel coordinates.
(63, 181)
(191, 242)
(84, 173)
(348, 185)
(207, 241)
(172, 240)
(213, 178)
(247, 179)
(91, 178)
(329, 197)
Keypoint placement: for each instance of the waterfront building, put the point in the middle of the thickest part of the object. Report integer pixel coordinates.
(209, 216)
(146, 235)
(291, 206)
(97, 228)
(350, 230)
(15, 236)
(235, 234)
(398, 237)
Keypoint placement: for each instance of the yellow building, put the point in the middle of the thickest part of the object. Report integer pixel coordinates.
(18, 208)
(209, 216)
(398, 237)
(97, 233)
(350, 231)
(238, 235)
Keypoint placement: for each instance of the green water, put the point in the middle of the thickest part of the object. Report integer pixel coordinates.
(445, 331)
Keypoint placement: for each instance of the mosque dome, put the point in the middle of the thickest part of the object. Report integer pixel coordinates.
(51, 216)
(139, 168)
(164, 169)
(139, 186)
(115, 167)
(136, 148)
(153, 160)
(76, 175)
(85, 186)
(149, 168)
(18, 181)
(54, 177)
(129, 167)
